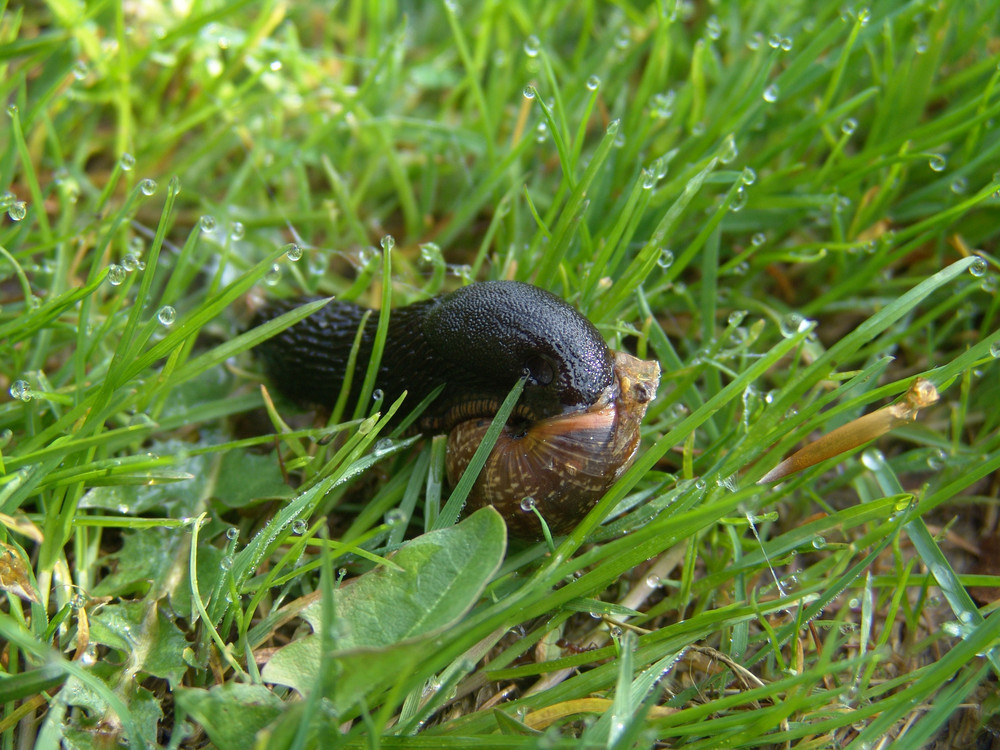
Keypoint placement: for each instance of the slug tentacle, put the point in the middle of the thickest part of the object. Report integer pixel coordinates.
(575, 429)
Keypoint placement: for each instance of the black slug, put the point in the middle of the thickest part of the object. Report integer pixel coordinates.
(576, 426)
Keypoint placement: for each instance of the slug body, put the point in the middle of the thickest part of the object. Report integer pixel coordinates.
(574, 429)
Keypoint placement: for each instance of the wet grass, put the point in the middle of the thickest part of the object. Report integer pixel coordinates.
(794, 211)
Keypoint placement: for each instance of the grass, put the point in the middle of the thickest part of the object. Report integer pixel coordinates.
(793, 207)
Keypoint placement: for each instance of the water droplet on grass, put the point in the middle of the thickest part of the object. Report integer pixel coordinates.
(275, 66)
(663, 104)
(736, 317)
(17, 210)
(648, 180)
(127, 162)
(116, 274)
(293, 251)
(749, 176)
(20, 390)
(80, 70)
(299, 527)
(848, 126)
(395, 517)
(593, 83)
(978, 267)
(792, 323)
(713, 29)
(995, 349)
(532, 46)
(666, 258)
(207, 223)
(728, 152)
(529, 92)
(758, 239)
(774, 41)
(272, 277)
(959, 185)
(226, 563)
(771, 94)
(167, 315)
(739, 200)
(937, 162)
(527, 504)
(147, 186)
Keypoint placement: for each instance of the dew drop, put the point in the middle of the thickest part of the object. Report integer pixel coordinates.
(127, 162)
(167, 315)
(275, 66)
(819, 542)
(377, 394)
(207, 223)
(430, 254)
(17, 210)
(299, 527)
(736, 317)
(920, 44)
(80, 70)
(147, 186)
(624, 38)
(395, 517)
(272, 277)
(653, 581)
(648, 180)
(937, 162)
(541, 132)
(529, 92)
(232, 533)
(729, 150)
(663, 104)
(864, 16)
(666, 258)
(532, 46)
(20, 390)
(774, 41)
(293, 251)
(237, 231)
(527, 504)
(786, 44)
(848, 126)
(791, 324)
(739, 200)
(758, 239)
(174, 186)
(978, 267)
(130, 262)
(754, 41)
(593, 83)
(995, 349)
(713, 29)
(613, 127)
(116, 274)
(959, 185)
(771, 94)
(226, 563)
(749, 176)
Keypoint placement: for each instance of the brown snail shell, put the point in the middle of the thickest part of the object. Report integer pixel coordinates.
(561, 465)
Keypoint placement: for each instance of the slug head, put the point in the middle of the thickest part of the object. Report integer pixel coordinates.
(496, 331)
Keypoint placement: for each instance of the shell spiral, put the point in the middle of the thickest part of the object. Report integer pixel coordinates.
(574, 430)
